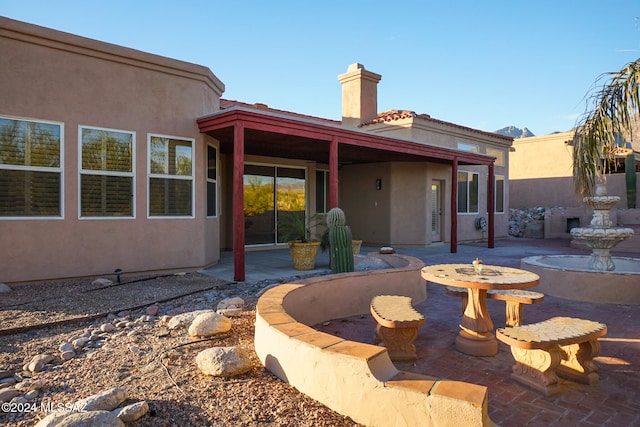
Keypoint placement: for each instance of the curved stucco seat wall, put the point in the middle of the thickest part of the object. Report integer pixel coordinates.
(352, 378)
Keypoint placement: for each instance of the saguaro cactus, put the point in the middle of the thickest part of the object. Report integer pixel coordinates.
(339, 242)
(630, 175)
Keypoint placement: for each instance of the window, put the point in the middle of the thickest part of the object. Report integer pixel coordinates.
(468, 192)
(498, 154)
(212, 181)
(322, 191)
(30, 168)
(106, 172)
(468, 147)
(170, 176)
(499, 194)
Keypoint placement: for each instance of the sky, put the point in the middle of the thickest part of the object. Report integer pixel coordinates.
(482, 64)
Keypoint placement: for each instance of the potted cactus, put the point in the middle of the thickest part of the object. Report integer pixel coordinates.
(296, 231)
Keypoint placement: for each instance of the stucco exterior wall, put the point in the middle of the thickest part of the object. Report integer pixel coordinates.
(368, 210)
(410, 220)
(541, 171)
(54, 76)
(443, 135)
(541, 174)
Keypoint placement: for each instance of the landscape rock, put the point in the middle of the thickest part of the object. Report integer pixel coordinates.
(80, 342)
(52, 420)
(152, 310)
(184, 319)
(65, 346)
(105, 401)
(102, 282)
(5, 373)
(67, 355)
(132, 412)
(30, 395)
(107, 327)
(208, 324)
(38, 362)
(91, 419)
(223, 361)
(6, 394)
(235, 302)
(9, 380)
(4, 287)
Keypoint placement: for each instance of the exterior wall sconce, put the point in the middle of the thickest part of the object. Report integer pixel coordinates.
(378, 184)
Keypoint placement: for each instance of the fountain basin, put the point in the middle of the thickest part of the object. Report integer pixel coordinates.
(569, 277)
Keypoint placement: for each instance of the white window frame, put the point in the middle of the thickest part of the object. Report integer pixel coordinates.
(131, 174)
(469, 173)
(212, 181)
(325, 196)
(58, 170)
(495, 201)
(166, 176)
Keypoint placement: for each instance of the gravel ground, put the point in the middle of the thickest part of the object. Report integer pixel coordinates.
(154, 363)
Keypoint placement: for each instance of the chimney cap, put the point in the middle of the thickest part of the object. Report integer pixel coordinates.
(355, 67)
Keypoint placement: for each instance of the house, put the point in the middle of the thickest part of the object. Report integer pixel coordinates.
(541, 175)
(115, 158)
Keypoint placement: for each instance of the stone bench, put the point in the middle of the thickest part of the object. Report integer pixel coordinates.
(560, 345)
(397, 325)
(514, 299)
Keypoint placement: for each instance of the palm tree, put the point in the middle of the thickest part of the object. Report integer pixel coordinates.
(611, 111)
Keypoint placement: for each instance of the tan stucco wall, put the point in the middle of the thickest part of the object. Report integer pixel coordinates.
(546, 156)
(368, 210)
(53, 76)
(541, 173)
(442, 135)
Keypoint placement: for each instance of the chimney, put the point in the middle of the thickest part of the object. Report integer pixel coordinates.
(359, 95)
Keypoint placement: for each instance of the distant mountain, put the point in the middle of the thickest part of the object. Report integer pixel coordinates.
(515, 132)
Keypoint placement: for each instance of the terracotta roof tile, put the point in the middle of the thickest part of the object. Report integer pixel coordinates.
(392, 115)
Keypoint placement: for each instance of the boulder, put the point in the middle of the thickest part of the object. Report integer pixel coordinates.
(4, 288)
(91, 419)
(223, 361)
(133, 412)
(106, 401)
(185, 319)
(208, 324)
(6, 394)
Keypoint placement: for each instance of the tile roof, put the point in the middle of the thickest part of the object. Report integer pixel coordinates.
(393, 115)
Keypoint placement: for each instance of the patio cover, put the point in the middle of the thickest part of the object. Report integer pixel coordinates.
(243, 131)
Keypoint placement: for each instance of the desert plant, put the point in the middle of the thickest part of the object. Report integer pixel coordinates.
(293, 227)
(339, 242)
(630, 177)
(611, 111)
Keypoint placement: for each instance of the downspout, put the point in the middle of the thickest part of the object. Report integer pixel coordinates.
(454, 206)
(491, 206)
(333, 172)
(238, 202)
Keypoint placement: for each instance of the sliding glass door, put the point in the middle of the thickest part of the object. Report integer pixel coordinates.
(270, 193)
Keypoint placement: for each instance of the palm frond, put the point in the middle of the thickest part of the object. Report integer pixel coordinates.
(611, 110)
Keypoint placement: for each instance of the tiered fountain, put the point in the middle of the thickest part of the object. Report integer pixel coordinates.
(598, 278)
(600, 236)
